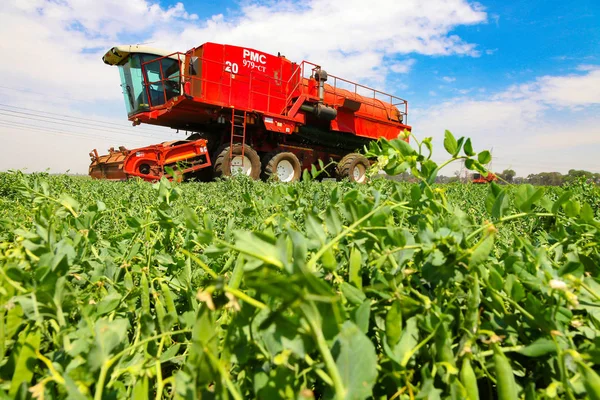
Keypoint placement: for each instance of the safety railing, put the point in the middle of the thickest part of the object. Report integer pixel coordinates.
(381, 100)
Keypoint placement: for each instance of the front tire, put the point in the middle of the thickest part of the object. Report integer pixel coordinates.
(353, 166)
(226, 166)
(283, 167)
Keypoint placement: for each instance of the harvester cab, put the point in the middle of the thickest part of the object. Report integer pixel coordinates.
(157, 63)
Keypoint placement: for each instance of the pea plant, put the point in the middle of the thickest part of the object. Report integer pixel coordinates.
(241, 289)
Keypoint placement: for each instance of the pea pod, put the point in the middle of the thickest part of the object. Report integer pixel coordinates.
(472, 314)
(169, 303)
(469, 380)
(443, 346)
(160, 314)
(237, 275)
(497, 302)
(145, 298)
(505, 379)
(591, 381)
(128, 280)
(530, 391)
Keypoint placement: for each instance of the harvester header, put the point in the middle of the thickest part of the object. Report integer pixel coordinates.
(261, 114)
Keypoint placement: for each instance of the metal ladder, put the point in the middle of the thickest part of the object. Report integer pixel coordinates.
(238, 123)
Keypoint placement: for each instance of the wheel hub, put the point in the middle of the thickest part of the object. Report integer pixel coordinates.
(359, 173)
(241, 166)
(285, 171)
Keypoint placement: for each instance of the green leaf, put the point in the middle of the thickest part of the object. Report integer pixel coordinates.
(469, 148)
(482, 251)
(355, 263)
(354, 295)
(409, 339)
(361, 316)
(253, 245)
(572, 208)
(403, 147)
(459, 145)
(526, 196)
(140, 389)
(356, 361)
(491, 197)
(450, 143)
(108, 303)
(587, 213)
(484, 157)
(28, 344)
(500, 205)
(332, 221)
(393, 323)
(564, 197)
(109, 336)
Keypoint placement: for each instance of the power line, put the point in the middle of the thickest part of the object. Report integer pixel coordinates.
(80, 125)
(85, 125)
(34, 128)
(29, 91)
(143, 128)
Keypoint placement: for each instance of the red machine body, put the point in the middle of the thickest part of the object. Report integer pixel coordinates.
(479, 178)
(149, 162)
(255, 104)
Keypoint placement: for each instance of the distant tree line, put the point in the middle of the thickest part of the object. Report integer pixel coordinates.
(551, 178)
(510, 176)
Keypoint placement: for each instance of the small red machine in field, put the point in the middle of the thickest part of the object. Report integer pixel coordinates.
(479, 178)
(149, 162)
(260, 114)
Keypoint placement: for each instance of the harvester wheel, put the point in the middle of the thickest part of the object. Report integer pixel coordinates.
(283, 167)
(226, 166)
(353, 166)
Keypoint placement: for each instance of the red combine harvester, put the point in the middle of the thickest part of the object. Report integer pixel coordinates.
(248, 111)
(479, 178)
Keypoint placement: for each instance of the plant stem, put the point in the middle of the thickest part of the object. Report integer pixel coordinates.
(334, 373)
(313, 260)
(159, 380)
(509, 218)
(109, 363)
(244, 297)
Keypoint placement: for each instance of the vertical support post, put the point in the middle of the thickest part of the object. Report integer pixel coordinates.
(162, 80)
(146, 85)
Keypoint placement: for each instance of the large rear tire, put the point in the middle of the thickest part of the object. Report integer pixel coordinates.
(282, 167)
(224, 166)
(353, 166)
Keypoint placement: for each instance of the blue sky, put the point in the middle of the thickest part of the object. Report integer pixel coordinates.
(520, 77)
(526, 38)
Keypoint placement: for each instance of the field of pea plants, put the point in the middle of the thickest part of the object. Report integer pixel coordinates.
(240, 289)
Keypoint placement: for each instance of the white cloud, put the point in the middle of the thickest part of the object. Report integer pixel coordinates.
(403, 67)
(350, 40)
(548, 124)
(448, 79)
(55, 47)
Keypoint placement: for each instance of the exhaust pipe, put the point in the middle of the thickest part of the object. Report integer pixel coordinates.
(320, 110)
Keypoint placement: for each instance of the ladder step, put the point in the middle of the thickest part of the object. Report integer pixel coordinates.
(238, 126)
